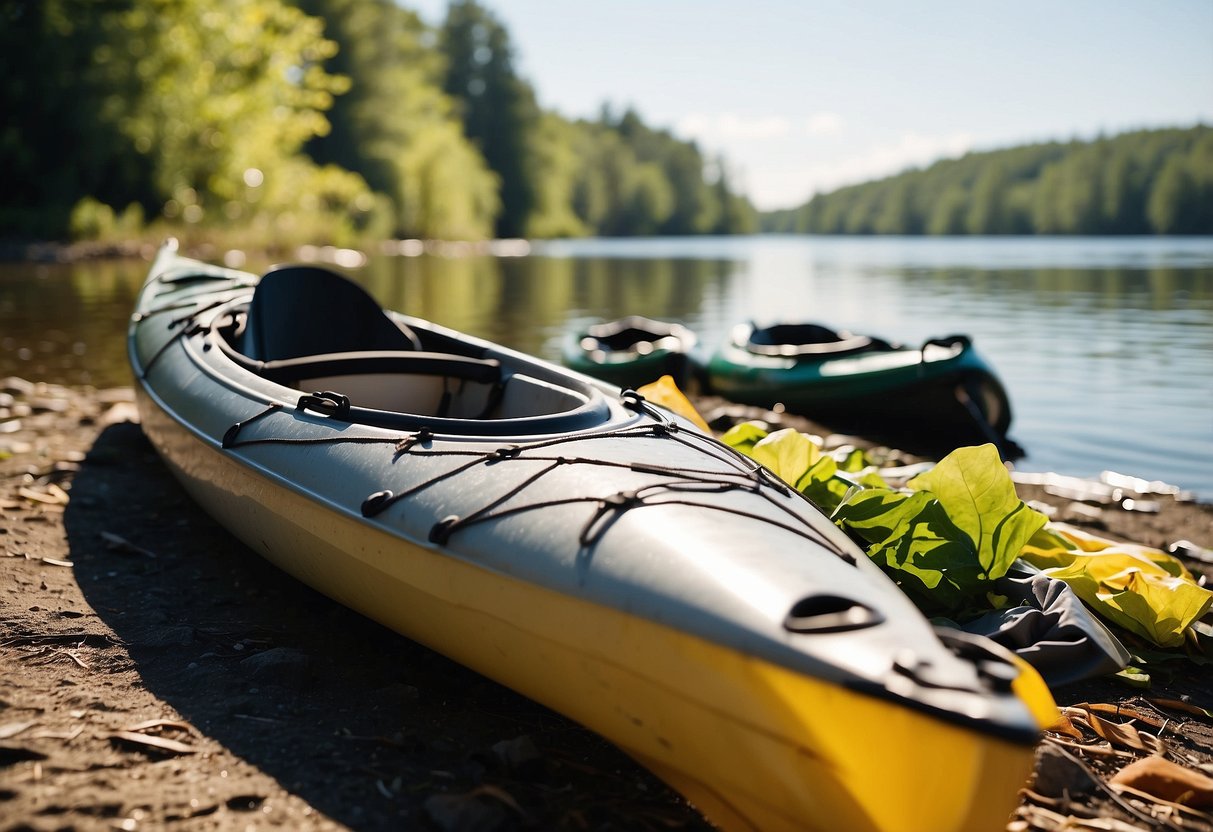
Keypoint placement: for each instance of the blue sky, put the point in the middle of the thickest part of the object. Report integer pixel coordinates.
(803, 96)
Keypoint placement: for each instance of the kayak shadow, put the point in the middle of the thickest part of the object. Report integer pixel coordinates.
(366, 726)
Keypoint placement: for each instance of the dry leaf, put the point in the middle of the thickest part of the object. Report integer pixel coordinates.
(1117, 733)
(1125, 711)
(1125, 735)
(1066, 727)
(1180, 705)
(1167, 780)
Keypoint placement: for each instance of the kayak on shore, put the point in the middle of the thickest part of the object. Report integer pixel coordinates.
(631, 351)
(580, 545)
(928, 399)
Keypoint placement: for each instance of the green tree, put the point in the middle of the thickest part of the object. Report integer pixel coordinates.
(1160, 180)
(697, 206)
(498, 108)
(948, 213)
(735, 214)
(217, 98)
(54, 145)
(896, 214)
(987, 201)
(396, 127)
(555, 158)
(1171, 195)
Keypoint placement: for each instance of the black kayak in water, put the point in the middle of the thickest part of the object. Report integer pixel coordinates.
(631, 351)
(929, 399)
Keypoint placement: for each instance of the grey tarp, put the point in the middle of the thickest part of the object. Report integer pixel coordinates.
(1050, 628)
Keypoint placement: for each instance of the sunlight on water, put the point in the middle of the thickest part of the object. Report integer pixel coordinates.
(1105, 345)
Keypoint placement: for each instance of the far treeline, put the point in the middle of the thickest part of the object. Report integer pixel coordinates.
(317, 121)
(1147, 182)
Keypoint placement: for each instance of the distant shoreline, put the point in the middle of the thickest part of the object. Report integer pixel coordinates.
(60, 251)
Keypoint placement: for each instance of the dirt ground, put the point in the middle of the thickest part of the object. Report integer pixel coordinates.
(155, 674)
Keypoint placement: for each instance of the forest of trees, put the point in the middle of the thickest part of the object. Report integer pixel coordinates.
(1146, 182)
(317, 121)
(279, 122)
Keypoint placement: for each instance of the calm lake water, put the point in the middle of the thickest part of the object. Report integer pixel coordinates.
(1105, 345)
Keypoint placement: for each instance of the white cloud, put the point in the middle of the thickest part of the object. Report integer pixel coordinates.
(911, 150)
(824, 124)
(774, 183)
(725, 127)
(782, 161)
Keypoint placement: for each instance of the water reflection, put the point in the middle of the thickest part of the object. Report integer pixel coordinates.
(527, 303)
(67, 323)
(1105, 345)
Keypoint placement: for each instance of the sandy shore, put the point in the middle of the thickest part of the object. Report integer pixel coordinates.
(154, 673)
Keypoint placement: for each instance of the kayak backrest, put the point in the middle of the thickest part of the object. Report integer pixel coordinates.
(299, 311)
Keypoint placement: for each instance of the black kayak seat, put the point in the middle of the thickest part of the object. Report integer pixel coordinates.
(299, 311)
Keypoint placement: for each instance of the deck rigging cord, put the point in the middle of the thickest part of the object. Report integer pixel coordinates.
(680, 487)
(743, 473)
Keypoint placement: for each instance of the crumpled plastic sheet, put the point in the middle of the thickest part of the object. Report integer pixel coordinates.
(1050, 628)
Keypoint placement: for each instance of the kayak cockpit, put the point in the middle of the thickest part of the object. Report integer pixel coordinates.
(636, 334)
(316, 332)
(806, 340)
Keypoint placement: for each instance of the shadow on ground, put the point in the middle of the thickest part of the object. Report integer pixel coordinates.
(369, 728)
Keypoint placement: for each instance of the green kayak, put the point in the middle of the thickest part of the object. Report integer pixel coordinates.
(929, 398)
(631, 351)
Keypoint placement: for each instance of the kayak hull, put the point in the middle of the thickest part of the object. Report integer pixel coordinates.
(654, 620)
(772, 762)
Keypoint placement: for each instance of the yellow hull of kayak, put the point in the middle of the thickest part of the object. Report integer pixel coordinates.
(753, 745)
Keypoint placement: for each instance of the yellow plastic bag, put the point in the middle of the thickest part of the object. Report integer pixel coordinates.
(1144, 590)
(665, 392)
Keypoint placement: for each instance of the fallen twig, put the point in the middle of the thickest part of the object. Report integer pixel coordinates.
(148, 741)
(117, 543)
